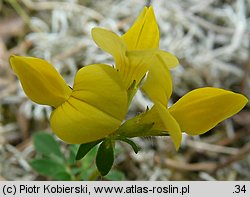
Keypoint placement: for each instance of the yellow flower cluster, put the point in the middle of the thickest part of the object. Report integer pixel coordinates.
(98, 102)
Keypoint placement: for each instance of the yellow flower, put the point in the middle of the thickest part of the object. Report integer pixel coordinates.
(93, 109)
(195, 113)
(136, 51)
(97, 104)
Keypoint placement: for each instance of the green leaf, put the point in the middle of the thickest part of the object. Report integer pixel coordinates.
(88, 164)
(48, 167)
(62, 176)
(135, 147)
(85, 148)
(89, 159)
(46, 145)
(105, 157)
(73, 148)
(115, 175)
(76, 170)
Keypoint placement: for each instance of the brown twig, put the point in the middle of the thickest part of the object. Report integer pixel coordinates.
(228, 140)
(211, 147)
(201, 166)
(241, 154)
(211, 167)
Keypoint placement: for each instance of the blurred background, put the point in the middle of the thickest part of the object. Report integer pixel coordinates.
(211, 40)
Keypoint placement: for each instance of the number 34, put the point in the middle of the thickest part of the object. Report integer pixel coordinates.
(240, 189)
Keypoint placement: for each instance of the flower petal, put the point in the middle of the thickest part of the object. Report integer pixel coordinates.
(132, 65)
(40, 80)
(111, 43)
(100, 86)
(200, 110)
(95, 109)
(167, 59)
(158, 85)
(144, 33)
(77, 122)
(135, 70)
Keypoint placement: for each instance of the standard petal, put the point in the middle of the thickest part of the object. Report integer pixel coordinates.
(95, 109)
(40, 80)
(163, 121)
(158, 85)
(144, 33)
(201, 109)
(135, 70)
(111, 43)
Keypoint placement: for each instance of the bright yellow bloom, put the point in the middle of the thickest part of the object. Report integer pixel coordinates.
(97, 104)
(93, 109)
(143, 35)
(202, 109)
(136, 51)
(195, 113)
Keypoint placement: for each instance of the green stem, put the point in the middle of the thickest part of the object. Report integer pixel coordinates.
(94, 175)
(22, 13)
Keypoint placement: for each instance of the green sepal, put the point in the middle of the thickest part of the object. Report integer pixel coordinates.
(135, 147)
(85, 148)
(105, 157)
(131, 91)
(134, 128)
(140, 126)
